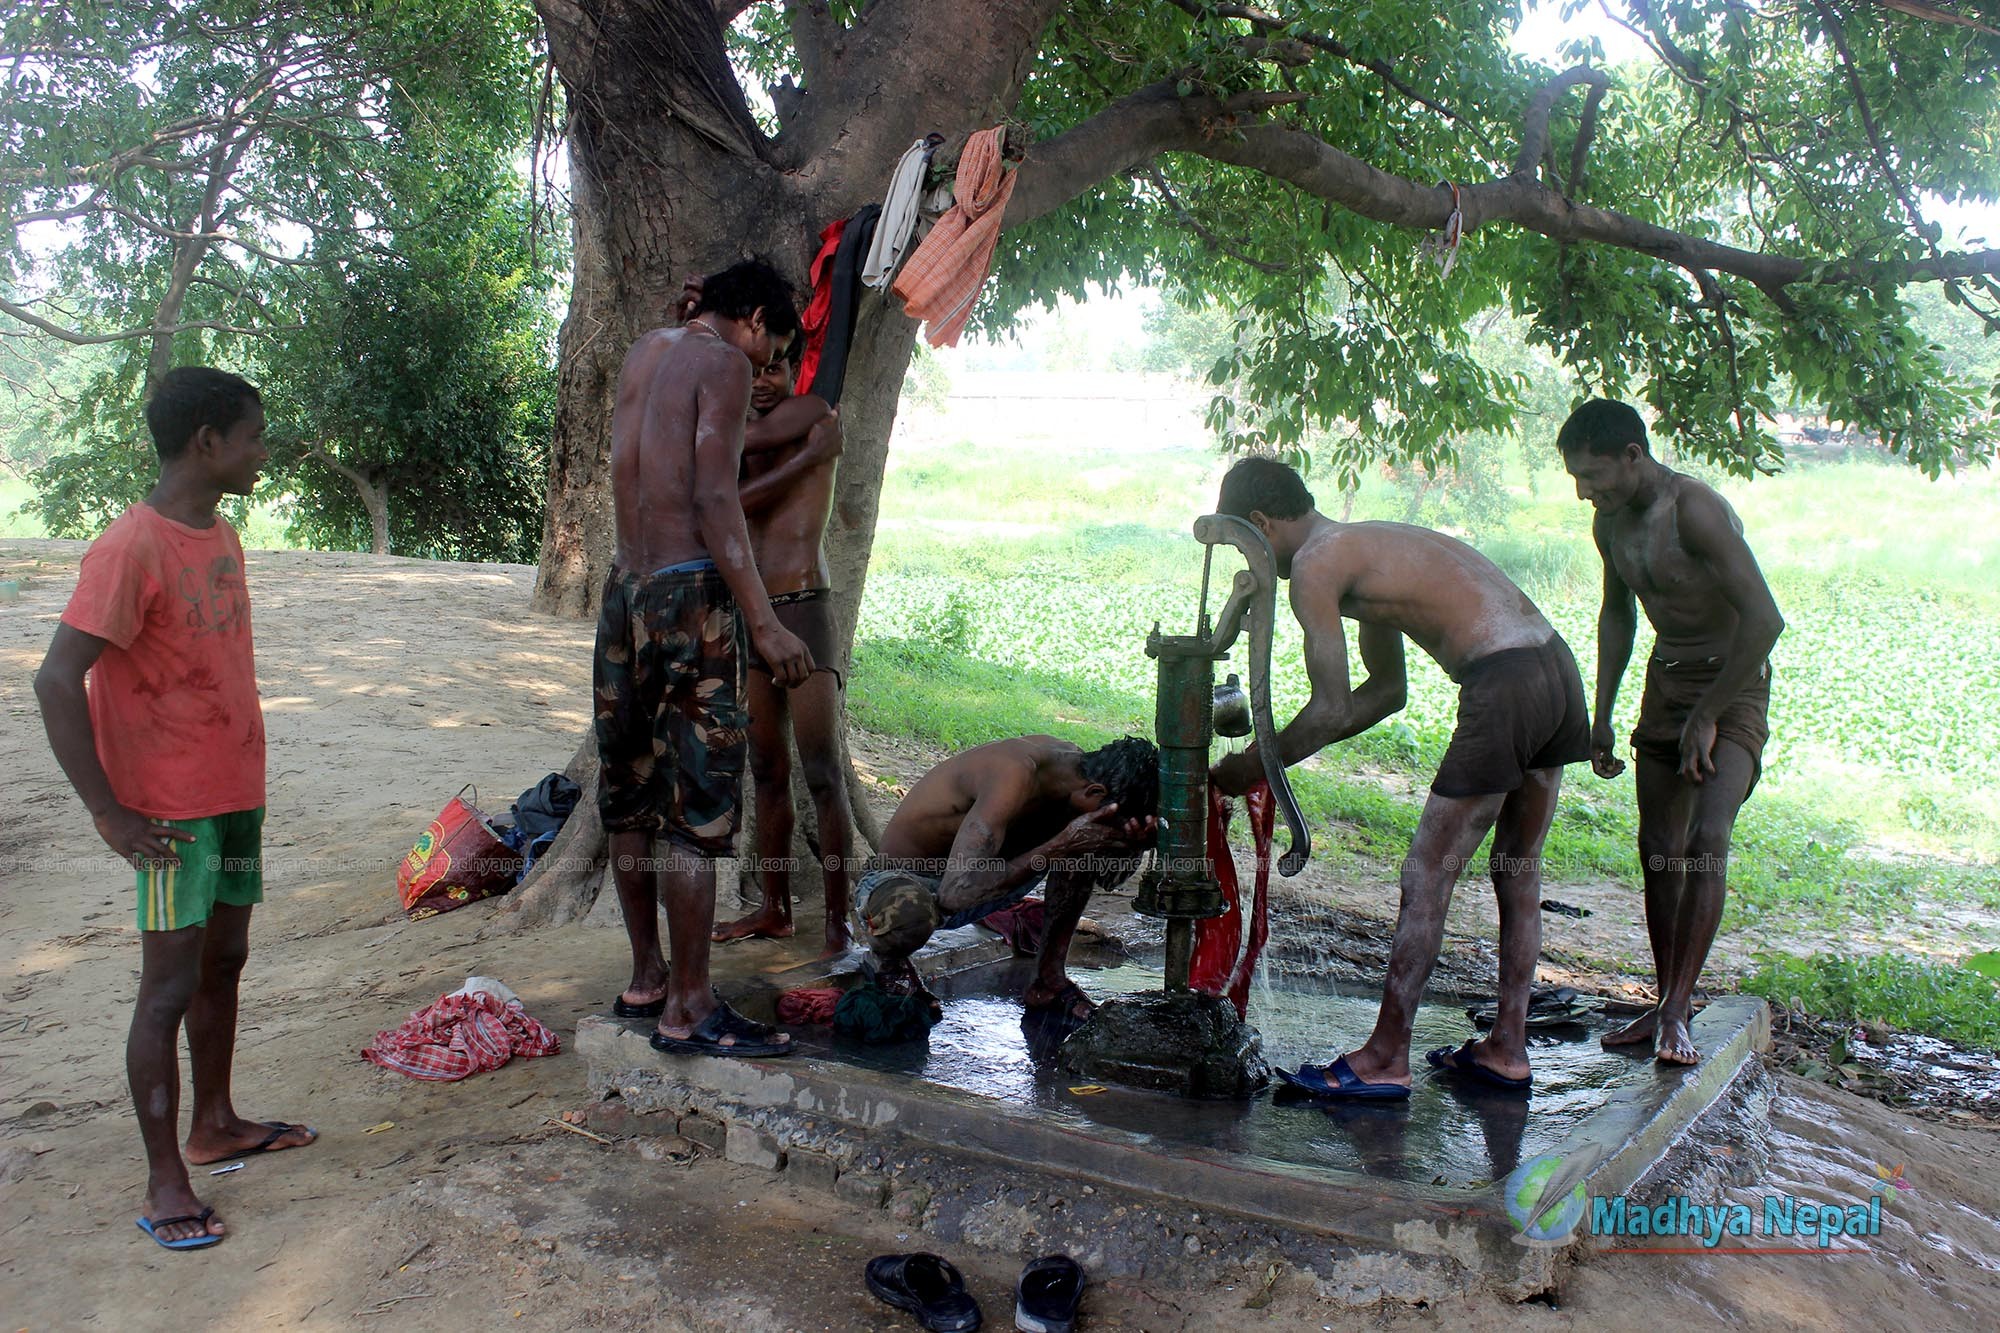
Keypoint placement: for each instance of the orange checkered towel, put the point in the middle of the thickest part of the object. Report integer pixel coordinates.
(942, 279)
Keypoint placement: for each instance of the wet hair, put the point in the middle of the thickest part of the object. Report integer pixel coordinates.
(1602, 426)
(190, 397)
(1130, 772)
(1265, 486)
(743, 288)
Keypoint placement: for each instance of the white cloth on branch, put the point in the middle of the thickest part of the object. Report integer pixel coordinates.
(899, 215)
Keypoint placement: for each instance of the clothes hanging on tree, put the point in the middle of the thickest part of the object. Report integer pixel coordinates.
(812, 324)
(899, 212)
(941, 280)
(829, 371)
(1216, 968)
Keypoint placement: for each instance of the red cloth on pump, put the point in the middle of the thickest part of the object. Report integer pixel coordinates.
(1220, 964)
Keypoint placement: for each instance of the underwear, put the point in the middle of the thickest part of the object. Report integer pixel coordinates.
(1675, 687)
(1518, 709)
(807, 613)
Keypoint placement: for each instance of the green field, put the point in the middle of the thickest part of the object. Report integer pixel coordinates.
(1876, 803)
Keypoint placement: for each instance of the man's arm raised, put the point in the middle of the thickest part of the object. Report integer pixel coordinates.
(1708, 535)
(722, 401)
(1617, 624)
(789, 421)
(1335, 711)
(822, 442)
(975, 872)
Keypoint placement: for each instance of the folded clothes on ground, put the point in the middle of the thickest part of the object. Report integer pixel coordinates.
(472, 1030)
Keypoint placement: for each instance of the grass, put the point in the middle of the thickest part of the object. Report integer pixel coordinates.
(1910, 995)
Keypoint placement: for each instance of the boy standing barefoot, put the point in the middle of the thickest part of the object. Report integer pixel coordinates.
(166, 749)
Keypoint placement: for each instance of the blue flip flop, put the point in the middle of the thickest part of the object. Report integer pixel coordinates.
(1347, 1086)
(201, 1242)
(1461, 1062)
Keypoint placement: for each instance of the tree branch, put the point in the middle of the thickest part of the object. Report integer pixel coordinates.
(72, 336)
(1193, 224)
(1535, 125)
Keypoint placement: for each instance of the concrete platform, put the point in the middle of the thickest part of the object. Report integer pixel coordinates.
(1397, 1204)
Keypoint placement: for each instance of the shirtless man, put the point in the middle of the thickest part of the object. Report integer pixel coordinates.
(669, 664)
(1678, 548)
(983, 828)
(1520, 719)
(791, 450)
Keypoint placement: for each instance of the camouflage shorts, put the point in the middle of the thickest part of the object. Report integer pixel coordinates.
(671, 726)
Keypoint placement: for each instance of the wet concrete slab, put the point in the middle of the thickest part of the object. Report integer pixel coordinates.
(981, 1106)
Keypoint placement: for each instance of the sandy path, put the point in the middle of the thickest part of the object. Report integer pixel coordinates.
(387, 685)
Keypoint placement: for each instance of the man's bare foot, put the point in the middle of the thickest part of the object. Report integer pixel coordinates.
(1369, 1069)
(180, 1201)
(839, 939)
(1066, 996)
(243, 1138)
(1635, 1033)
(767, 923)
(1676, 1045)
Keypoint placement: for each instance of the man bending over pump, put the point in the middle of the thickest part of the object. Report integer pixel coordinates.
(1520, 719)
(983, 828)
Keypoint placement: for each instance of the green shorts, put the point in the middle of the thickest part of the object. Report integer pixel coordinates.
(224, 864)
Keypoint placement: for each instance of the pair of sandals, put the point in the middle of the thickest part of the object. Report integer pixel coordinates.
(1338, 1081)
(724, 1032)
(1046, 1296)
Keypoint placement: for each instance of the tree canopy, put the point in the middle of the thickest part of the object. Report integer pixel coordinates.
(1728, 222)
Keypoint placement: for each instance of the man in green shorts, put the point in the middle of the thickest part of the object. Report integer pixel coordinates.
(166, 748)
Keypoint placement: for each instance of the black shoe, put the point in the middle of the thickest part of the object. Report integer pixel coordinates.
(651, 1009)
(928, 1287)
(1048, 1294)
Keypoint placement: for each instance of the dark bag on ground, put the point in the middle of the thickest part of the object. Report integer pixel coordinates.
(538, 816)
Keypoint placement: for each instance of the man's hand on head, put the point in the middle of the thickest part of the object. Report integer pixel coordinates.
(139, 840)
(690, 298)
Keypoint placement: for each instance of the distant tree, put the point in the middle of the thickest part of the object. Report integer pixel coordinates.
(412, 412)
(176, 176)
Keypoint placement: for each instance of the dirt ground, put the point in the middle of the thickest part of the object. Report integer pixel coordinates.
(388, 684)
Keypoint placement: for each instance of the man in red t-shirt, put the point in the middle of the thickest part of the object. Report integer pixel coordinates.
(166, 748)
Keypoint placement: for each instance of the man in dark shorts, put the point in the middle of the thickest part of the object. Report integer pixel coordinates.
(1677, 548)
(791, 451)
(1520, 719)
(984, 828)
(669, 668)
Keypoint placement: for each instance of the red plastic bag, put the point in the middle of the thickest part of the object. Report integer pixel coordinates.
(1217, 968)
(459, 859)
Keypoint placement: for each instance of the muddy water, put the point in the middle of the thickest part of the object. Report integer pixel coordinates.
(1444, 1134)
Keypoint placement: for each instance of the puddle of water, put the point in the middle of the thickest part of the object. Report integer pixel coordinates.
(1444, 1135)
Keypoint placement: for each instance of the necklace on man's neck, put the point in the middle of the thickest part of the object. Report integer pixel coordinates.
(707, 328)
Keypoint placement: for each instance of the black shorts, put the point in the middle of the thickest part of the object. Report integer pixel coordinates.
(1518, 709)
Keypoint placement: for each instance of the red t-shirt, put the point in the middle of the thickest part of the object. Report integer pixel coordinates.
(173, 698)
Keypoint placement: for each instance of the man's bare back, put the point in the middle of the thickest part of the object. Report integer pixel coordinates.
(927, 822)
(1438, 592)
(653, 443)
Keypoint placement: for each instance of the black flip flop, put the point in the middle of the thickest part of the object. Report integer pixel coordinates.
(1461, 1063)
(1047, 1295)
(926, 1286)
(278, 1130)
(746, 1037)
(651, 1009)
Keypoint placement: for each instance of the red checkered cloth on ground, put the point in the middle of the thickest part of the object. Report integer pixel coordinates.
(941, 280)
(458, 1035)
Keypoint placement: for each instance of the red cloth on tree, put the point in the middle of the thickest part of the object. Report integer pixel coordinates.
(458, 1035)
(820, 308)
(1216, 967)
